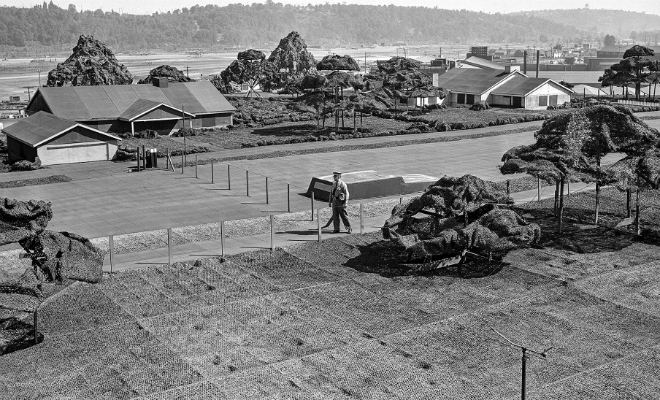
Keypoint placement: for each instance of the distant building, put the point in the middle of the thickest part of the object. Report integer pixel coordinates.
(478, 51)
(161, 107)
(506, 88)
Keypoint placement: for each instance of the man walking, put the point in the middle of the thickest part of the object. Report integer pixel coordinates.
(338, 200)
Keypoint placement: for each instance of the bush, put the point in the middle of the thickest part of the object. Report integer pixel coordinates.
(25, 165)
(186, 131)
(480, 106)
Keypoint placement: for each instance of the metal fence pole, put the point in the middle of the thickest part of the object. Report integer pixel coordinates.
(169, 246)
(267, 191)
(318, 221)
(35, 326)
(228, 178)
(211, 172)
(144, 157)
(111, 243)
(182, 163)
(247, 183)
(538, 189)
(361, 218)
(196, 176)
(312, 205)
(137, 154)
(222, 238)
(272, 232)
(288, 198)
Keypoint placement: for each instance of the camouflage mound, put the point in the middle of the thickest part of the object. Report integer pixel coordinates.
(459, 215)
(64, 255)
(397, 64)
(20, 219)
(292, 54)
(91, 63)
(336, 62)
(171, 73)
(251, 55)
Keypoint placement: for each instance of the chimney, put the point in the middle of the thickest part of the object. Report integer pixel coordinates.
(538, 55)
(525, 62)
(160, 81)
(511, 68)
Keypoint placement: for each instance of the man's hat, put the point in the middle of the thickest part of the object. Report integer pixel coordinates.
(336, 173)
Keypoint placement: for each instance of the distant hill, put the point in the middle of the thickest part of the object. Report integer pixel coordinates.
(259, 24)
(621, 24)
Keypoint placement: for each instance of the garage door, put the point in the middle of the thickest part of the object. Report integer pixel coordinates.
(73, 153)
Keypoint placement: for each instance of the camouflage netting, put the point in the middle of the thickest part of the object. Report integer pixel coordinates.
(459, 215)
(22, 219)
(91, 63)
(250, 67)
(171, 73)
(58, 258)
(292, 54)
(396, 64)
(336, 62)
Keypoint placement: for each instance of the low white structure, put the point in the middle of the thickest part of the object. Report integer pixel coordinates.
(58, 141)
(505, 88)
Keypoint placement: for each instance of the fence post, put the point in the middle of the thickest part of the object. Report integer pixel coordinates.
(272, 231)
(35, 326)
(211, 172)
(361, 218)
(288, 199)
(267, 191)
(169, 246)
(508, 187)
(318, 221)
(228, 178)
(538, 188)
(247, 183)
(182, 163)
(167, 159)
(111, 243)
(222, 239)
(144, 157)
(312, 205)
(196, 176)
(137, 154)
(401, 200)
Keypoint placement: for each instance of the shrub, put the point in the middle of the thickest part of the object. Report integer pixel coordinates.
(480, 106)
(25, 165)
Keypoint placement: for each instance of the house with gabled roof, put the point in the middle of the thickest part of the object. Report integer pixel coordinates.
(161, 107)
(505, 88)
(57, 140)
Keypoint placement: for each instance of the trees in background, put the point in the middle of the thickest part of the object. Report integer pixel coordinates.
(635, 68)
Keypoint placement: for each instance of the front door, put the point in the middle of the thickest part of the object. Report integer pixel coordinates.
(518, 102)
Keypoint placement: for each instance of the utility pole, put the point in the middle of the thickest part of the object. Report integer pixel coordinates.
(39, 72)
(187, 76)
(525, 356)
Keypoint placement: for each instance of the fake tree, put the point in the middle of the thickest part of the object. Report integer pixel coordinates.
(572, 145)
(636, 67)
(251, 68)
(637, 173)
(454, 218)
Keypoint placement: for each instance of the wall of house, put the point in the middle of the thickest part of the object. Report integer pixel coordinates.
(110, 125)
(160, 113)
(500, 100)
(76, 152)
(547, 94)
(19, 151)
(38, 104)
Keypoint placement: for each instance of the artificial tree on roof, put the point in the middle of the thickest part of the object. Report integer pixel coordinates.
(636, 67)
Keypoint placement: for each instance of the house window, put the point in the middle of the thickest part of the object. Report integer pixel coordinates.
(543, 100)
(460, 98)
(470, 99)
(506, 100)
(553, 99)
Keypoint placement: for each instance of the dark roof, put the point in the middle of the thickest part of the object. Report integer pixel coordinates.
(42, 126)
(470, 80)
(143, 106)
(519, 85)
(82, 103)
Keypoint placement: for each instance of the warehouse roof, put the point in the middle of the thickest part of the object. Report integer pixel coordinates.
(42, 127)
(519, 85)
(143, 106)
(103, 102)
(467, 80)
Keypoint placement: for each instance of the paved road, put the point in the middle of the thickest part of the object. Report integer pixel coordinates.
(114, 202)
(103, 199)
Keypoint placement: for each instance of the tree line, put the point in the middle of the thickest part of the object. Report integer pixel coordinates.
(259, 24)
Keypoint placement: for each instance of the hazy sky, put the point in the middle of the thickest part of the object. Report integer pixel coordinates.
(489, 6)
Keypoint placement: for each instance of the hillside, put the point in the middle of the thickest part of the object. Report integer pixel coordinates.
(259, 25)
(622, 24)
